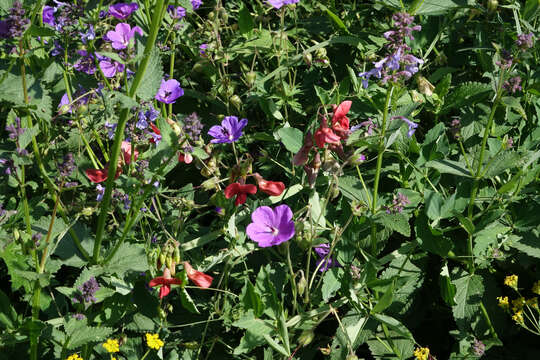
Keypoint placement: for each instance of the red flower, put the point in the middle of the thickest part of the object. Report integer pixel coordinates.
(199, 278)
(156, 131)
(126, 152)
(325, 135)
(185, 158)
(302, 156)
(340, 121)
(100, 175)
(272, 188)
(240, 191)
(165, 282)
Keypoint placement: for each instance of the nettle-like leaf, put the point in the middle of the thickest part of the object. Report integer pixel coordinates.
(395, 222)
(79, 333)
(466, 94)
(152, 77)
(469, 293)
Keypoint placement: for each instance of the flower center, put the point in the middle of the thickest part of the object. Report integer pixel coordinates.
(274, 231)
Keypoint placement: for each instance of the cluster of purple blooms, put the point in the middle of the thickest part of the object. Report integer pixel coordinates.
(66, 167)
(146, 117)
(16, 23)
(14, 132)
(399, 64)
(398, 203)
(67, 15)
(513, 84)
(88, 290)
(192, 126)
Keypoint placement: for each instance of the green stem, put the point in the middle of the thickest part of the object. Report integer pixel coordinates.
(379, 166)
(171, 68)
(119, 135)
(293, 280)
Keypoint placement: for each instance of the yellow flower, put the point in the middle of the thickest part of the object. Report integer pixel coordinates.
(532, 302)
(536, 288)
(74, 357)
(153, 341)
(518, 317)
(421, 353)
(512, 281)
(518, 304)
(503, 302)
(111, 346)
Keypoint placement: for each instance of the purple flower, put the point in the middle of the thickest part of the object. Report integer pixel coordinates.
(271, 226)
(122, 35)
(202, 49)
(525, 41)
(122, 11)
(229, 131)
(169, 91)
(141, 123)
(88, 290)
(327, 262)
(177, 12)
(89, 35)
(513, 84)
(78, 316)
(85, 63)
(100, 191)
(48, 15)
(64, 105)
(192, 126)
(110, 129)
(412, 125)
(15, 130)
(196, 4)
(279, 3)
(109, 67)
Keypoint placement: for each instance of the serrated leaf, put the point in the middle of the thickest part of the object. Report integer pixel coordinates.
(352, 189)
(502, 162)
(449, 167)
(331, 283)
(187, 301)
(466, 94)
(291, 138)
(529, 245)
(80, 333)
(469, 291)
(152, 77)
(430, 239)
(129, 257)
(395, 222)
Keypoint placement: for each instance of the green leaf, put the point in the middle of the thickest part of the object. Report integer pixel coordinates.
(317, 212)
(435, 7)
(395, 222)
(187, 301)
(8, 315)
(251, 299)
(531, 9)
(331, 283)
(35, 30)
(351, 188)
(530, 245)
(255, 331)
(448, 290)
(337, 21)
(291, 137)
(355, 330)
(469, 291)
(245, 20)
(385, 300)
(129, 257)
(152, 77)
(466, 94)
(515, 104)
(502, 162)
(80, 333)
(430, 239)
(449, 167)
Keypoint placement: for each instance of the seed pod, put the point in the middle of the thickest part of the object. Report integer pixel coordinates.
(302, 283)
(169, 263)
(162, 259)
(250, 78)
(306, 337)
(177, 255)
(236, 101)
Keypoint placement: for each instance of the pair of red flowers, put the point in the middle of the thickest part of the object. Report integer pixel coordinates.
(200, 279)
(340, 126)
(272, 188)
(100, 175)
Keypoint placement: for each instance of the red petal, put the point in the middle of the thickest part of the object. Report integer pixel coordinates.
(126, 152)
(342, 109)
(155, 129)
(185, 158)
(272, 188)
(248, 189)
(240, 199)
(164, 291)
(199, 278)
(232, 190)
(97, 175)
(160, 280)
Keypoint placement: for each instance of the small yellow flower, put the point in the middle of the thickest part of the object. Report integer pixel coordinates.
(518, 317)
(532, 302)
(421, 353)
(518, 304)
(536, 288)
(153, 341)
(111, 346)
(503, 302)
(74, 357)
(512, 281)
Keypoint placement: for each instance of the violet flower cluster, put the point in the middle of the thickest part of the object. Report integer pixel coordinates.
(16, 23)
(399, 64)
(88, 290)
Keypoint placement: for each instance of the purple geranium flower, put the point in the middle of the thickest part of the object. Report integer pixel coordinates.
(229, 131)
(122, 35)
(177, 12)
(122, 10)
(169, 91)
(48, 15)
(279, 3)
(412, 125)
(271, 226)
(110, 67)
(196, 4)
(327, 262)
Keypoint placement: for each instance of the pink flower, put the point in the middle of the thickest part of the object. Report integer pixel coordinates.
(122, 35)
(272, 188)
(271, 226)
(325, 135)
(340, 121)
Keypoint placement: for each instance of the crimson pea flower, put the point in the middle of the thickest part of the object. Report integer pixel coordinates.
(340, 121)
(302, 156)
(122, 35)
(272, 188)
(325, 135)
(122, 10)
(156, 134)
(185, 158)
(271, 226)
(199, 278)
(169, 91)
(165, 282)
(240, 191)
(100, 175)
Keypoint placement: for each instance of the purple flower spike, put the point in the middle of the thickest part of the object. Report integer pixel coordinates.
(271, 226)
(229, 131)
(122, 35)
(48, 15)
(169, 91)
(323, 250)
(412, 125)
(122, 11)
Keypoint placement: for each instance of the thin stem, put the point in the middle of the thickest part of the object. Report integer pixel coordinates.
(293, 280)
(119, 135)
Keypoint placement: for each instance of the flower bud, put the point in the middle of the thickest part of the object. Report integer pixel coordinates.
(236, 101)
(302, 283)
(87, 211)
(210, 184)
(306, 337)
(177, 254)
(356, 159)
(250, 78)
(308, 58)
(492, 5)
(162, 314)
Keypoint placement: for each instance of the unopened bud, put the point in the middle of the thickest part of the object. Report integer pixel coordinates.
(302, 283)
(250, 78)
(306, 337)
(87, 211)
(308, 58)
(177, 255)
(236, 101)
(492, 5)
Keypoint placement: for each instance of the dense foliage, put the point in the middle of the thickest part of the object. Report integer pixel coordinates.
(276, 179)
